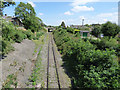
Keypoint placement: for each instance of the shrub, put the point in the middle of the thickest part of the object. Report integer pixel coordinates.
(29, 34)
(18, 36)
(90, 64)
(6, 47)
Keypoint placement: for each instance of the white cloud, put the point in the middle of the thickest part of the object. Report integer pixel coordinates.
(82, 2)
(101, 18)
(68, 13)
(41, 14)
(33, 5)
(107, 14)
(82, 8)
(80, 5)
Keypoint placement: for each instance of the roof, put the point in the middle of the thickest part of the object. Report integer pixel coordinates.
(9, 18)
(84, 31)
(75, 25)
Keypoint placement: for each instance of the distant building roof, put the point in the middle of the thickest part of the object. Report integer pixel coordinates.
(84, 31)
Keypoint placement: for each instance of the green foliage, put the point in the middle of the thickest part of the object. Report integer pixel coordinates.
(18, 36)
(11, 34)
(109, 29)
(11, 80)
(6, 47)
(88, 66)
(27, 14)
(70, 30)
(29, 34)
(7, 30)
(96, 31)
(32, 23)
(36, 71)
(107, 43)
(23, 10)
(63, 24)
(38, 34)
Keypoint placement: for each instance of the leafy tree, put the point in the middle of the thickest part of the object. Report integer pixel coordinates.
(96, 31)
(110, 29)
(27, 13)
(87, 25)
(5, 3)
(63, 24)
(32, 23)
(24, 10)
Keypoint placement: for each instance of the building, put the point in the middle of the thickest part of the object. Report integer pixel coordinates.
(119, 13)
(76, 26)
(16, 21)
(84, 34)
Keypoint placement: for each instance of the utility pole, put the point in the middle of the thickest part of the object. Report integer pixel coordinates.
(83, 22)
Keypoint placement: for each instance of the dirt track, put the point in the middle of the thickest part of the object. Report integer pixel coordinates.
(19, 62)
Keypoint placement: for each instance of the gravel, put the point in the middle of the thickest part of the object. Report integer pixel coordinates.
(19, 62)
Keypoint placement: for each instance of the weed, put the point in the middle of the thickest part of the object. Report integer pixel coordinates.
(14, 63)
(11, 80)
(21, 69)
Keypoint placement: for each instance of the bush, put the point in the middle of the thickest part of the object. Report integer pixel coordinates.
(88, 66)
(6, 47)
(70, 30)
(38, 34)
(106, 43)
(29, 34)
(7, 30)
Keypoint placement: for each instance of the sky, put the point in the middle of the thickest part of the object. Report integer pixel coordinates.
(72, 12)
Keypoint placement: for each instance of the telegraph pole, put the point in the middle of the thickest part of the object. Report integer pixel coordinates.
(83, 22)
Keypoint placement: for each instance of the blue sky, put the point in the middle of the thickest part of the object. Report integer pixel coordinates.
(53, 13)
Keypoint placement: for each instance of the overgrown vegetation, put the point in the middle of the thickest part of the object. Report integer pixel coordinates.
(11, 34)
(108, 29)
(89, 65)
(28, 18)
(35, 76)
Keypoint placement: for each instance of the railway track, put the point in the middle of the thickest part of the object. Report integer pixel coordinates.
(53, 80)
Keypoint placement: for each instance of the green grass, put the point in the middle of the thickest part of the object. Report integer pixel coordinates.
(36, 71)
(38, 43)
(11, 80)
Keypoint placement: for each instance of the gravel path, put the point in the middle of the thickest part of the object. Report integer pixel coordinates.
(19, 62)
